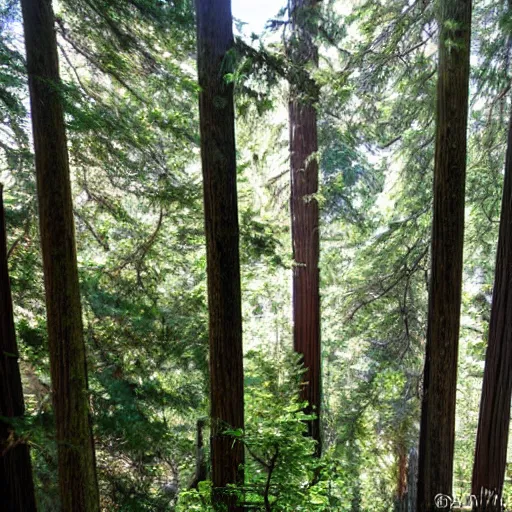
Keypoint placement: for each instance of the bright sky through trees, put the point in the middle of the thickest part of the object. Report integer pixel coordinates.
(255, 12)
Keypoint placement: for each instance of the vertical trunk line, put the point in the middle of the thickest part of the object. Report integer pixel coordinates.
(218, 158)
(304, 207)
(437, 434)
(16, 482)
(77, 465)
(494, 418)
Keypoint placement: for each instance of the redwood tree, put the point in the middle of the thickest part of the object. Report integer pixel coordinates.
(16, 484)
(436, 448)
(217, 125)
(493, 424)
(77, 472)
(304, 205)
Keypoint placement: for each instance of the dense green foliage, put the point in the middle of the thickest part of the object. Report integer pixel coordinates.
(131, 111)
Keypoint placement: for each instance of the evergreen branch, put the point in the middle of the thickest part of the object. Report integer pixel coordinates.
(95, 62)
(19, 239)
(103, 243)
(390, 287)
(499, 97)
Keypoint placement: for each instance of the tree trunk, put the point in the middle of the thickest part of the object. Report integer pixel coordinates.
(16, 484)
(412, 480)
(493, 424)
(401, 488)
(217, 125)
(77, 472)
(201, 473)
(440, 373)
(304, 205)
(402, 491)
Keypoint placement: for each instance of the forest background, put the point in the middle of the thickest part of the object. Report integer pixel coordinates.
(129, 84)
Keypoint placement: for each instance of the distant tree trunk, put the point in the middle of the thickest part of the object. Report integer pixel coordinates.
(77, 472)
(16, 484)
(201, 468)
(217, 124)
(401, 500)
(412, 480)
(401, 488)
(440, 375)
(493, 424)
(304, 204)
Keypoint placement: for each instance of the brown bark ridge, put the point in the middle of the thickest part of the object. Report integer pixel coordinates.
(217, 127)
(16, 483)
(435, 466)
(77, 471)
(304, 206)
(494, 421)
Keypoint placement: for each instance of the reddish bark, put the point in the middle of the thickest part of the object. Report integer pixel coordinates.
(304, 207)
(77, 471)
(494, 421)
(435, 466)
(218, 156)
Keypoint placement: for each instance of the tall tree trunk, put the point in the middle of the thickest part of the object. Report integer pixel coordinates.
(440, 374)
(304, 205)
(77, 472)
(16, 484)
(494, 421)
(217, 124)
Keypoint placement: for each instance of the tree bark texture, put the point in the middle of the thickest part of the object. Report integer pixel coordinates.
(217, 125)
(77, 472)
(16, 483)
(440, 374)
(494, 421)
(304, 205)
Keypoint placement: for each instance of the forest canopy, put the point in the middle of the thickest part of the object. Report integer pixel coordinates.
(255, 268)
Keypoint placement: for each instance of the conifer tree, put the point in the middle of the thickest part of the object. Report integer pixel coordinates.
(217, 125)
(304, 204)
(437, 435)
(494, 421)
(16, 483)
(77, 472)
